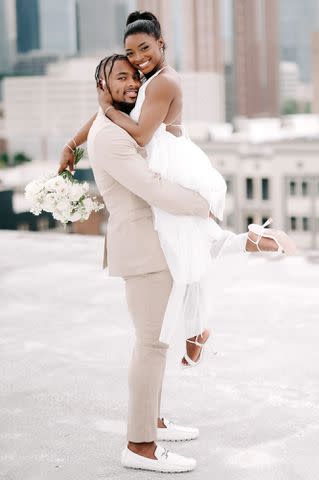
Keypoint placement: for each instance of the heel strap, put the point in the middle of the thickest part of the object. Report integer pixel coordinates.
(196, 342)
(255, 242)
(190, 361)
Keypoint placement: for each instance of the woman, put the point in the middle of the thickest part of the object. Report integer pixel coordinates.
(189, 243)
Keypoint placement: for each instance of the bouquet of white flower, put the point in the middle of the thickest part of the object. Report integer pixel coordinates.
(62, 195)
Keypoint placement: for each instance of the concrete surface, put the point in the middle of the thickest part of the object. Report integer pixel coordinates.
(65, 340)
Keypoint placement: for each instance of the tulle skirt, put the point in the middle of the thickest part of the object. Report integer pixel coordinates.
(190, 244)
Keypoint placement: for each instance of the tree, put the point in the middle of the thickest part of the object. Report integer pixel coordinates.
(4, 160)
(289, 107)
(307, 107)
(20, 157)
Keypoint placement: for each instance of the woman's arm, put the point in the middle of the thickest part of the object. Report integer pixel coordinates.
(67, 156)
(158, 98)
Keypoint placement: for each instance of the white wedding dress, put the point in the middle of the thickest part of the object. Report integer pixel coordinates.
(189, 243)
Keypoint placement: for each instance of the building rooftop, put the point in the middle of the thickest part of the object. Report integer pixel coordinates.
(17, 177)
(66, 340)
(259, 130)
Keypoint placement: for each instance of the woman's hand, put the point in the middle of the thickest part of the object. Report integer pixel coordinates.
(104, 98)
(66, 160)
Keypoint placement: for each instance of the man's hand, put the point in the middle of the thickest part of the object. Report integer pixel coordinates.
(104, 98)
(67, 160)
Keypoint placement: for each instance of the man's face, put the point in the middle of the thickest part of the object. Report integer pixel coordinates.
(124, 83)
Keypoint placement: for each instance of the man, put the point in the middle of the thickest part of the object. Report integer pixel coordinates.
(134, 253)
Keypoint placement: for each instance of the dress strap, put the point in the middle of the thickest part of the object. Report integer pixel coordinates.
(154, 75)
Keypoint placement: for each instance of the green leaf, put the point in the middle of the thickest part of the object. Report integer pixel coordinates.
(78, 154)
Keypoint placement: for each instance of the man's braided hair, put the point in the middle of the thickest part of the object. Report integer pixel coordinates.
(106, 61)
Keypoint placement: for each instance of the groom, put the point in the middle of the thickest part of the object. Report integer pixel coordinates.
(134, 253)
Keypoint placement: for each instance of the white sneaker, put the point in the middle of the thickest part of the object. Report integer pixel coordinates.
(167, 462)
(176, 433)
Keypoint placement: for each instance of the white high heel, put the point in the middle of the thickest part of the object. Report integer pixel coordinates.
(285, 244)
(190, 362)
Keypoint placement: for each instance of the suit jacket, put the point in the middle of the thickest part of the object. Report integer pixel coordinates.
(128, 188)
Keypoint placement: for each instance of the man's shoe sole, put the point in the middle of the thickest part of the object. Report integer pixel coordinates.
(177, 470)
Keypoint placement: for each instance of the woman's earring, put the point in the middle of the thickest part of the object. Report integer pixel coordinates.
(162, 50)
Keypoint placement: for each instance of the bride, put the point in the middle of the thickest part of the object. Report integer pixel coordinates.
(189, 243)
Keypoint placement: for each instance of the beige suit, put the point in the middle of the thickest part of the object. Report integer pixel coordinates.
(133, 251)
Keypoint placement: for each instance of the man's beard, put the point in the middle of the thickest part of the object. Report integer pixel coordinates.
(125, 107)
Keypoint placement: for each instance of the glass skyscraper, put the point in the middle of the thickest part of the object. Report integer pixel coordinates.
(298, 20)
(28, 35)
(57, 20)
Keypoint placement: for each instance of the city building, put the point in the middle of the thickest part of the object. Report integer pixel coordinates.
(7, 36)
(34, 62)
(101, 25)
(255, 55)
(14, 214)
(315, 71)
(298, 20)
(42, 112)
(203, 97)
(192, 33)
(191, 29)
(227, 47)
(28, 27)
(271, 171)
(46, 31)
(58, 29)
(289, 82)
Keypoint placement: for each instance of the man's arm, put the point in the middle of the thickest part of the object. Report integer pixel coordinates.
(121, 160)
(67, 157)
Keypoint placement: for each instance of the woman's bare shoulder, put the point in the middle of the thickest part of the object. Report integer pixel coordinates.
(167, 81)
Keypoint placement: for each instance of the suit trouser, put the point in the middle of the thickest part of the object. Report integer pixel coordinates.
(147, 296)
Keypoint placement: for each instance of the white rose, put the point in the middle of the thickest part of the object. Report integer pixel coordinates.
(56, 183)
(88, 204)
(48, 203)
(33, 188)
(36, 209)
(64, 208)
(76, 192)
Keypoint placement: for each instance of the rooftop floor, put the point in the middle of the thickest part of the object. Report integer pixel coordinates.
(66, 338)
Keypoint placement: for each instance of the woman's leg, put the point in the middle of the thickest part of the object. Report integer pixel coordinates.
(228, 243)
(147, 297)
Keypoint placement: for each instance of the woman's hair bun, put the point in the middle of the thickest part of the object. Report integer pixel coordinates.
(142, 22)
(142, 16)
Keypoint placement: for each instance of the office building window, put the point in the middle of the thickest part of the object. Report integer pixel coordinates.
(292, 188)
(305, 224)
(304, 188)
(249, 188)
(293, 223)
(249, 220)
(265, 188)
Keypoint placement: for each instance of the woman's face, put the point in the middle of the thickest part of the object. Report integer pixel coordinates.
(144, 52)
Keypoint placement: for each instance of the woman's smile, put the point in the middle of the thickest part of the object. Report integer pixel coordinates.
(144, 64)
